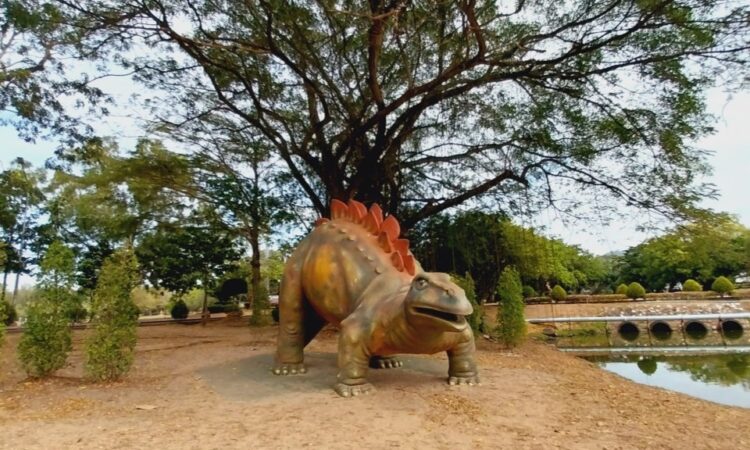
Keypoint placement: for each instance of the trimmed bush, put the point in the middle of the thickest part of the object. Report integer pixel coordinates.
(622, 289)
(179, 310)
(8, 314)
(635, 290)
(691, 285)
(528, 292)
(722, 286)
(511, 324)
(476, 319)
(46, 340)
(110, 348)
(221, 308)
(558, 293)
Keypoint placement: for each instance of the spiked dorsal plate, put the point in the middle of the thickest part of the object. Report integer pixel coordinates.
(386, 231)
(357, 211)
(339, 210)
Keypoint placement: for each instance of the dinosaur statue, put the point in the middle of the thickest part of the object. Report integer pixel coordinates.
(352, 270)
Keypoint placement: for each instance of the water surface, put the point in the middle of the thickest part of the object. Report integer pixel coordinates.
(718, 378)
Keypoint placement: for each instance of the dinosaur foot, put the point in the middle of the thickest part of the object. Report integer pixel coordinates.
(470, 380)
(346, 390)
(289, 369)
(385, 362)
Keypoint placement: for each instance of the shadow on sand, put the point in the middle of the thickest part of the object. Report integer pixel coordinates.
(251, 378)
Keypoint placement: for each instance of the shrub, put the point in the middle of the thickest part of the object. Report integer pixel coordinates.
(8, 313)
(275, 313)
(179, 310)
(511, 323)
(76, 313)
(722, 286)
(110, 348)
(46, 340)
(476, 319)
(635, 290)
(528, 292)
(622, 289)
(691, 285)
(221, 308)
(558, 293)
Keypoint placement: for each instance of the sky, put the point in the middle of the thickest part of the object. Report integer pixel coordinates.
(730, 147)
(730, 159)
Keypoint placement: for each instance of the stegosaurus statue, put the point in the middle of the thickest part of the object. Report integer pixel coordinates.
(352, 270)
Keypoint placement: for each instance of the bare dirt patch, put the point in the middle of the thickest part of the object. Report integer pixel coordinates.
(204, 388)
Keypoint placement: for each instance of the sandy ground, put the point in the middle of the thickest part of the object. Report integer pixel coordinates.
(211, 388)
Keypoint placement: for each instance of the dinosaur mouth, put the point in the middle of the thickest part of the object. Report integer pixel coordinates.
(448, 317)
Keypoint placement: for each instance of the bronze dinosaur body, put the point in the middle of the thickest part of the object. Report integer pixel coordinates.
(353, 271)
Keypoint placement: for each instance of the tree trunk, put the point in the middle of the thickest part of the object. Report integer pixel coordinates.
(5, 283)
(204, 313)
(15, 289)
(256, 287)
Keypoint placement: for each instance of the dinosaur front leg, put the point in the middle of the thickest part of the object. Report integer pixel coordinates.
(353, 359)
(462, 367)
(291, 340)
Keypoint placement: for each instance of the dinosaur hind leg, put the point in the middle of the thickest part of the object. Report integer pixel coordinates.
(291, 340)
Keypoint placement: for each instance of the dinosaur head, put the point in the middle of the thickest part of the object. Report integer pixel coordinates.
(435, 302)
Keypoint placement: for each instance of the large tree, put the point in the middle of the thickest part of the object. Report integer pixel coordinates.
(36, 87)
(20, 199)
(424, 105)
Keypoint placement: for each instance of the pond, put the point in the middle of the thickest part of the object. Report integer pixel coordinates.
(718, 378)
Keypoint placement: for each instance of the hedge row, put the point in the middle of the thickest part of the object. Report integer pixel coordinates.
(605, 298)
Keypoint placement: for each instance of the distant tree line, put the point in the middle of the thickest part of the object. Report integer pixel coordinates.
(484, 244)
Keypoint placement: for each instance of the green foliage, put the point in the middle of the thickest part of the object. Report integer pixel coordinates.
(179, 310)
(223, 308)
(181, 255)
(713, 246)
(622, 289)
(8, 313)
(691, 285)
(529, 292)
(110, 348)
(483, 244)
(452, 95)
(635, 290)
(511, 322)
(558, 293)
(149, 301)
(476, 319)
(722, 286)
(21, 199)
(46, 340)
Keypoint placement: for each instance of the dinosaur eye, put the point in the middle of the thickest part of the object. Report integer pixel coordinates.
(420, 283)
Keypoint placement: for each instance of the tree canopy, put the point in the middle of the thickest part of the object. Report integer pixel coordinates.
(425, 105)
(702, 250)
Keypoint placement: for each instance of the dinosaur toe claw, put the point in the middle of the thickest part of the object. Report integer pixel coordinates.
(289, 369)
